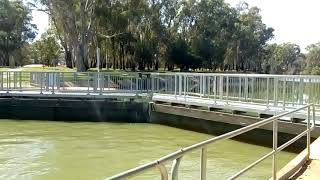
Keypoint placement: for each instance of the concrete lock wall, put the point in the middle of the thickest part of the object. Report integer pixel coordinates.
(76, 109)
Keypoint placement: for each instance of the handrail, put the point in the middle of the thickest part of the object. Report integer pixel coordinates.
(176, 156)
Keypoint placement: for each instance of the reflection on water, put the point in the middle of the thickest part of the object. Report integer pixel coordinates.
(54, 150)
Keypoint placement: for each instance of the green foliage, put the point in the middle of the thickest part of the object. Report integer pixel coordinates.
(16, 31)
(313, 60)
(46, 50)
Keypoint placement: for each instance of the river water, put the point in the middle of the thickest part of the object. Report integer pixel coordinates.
(42, 150)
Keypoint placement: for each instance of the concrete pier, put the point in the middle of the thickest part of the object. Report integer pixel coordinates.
(74, 109)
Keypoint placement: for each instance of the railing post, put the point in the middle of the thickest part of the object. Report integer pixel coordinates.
(180, 85)
(284, 93)
(203, 164)
(275, 91)
(246, 88)
(227, 90)
(88, 77)
(175, 169)
(215, 89)
(175, 85)
(1, 73)
(53, 77)
(163, 172)
(185, 85)
(20, 80)
(14, 80)
(240, 86)
(8, 81)
(47, 81)
(268, 92)
(309, 133)
(221, 87)
(275, 147)
(41, 82)
(101, 84)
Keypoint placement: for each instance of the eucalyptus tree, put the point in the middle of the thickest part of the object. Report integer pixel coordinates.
(74, 22)
(313, 59)
(16, 29)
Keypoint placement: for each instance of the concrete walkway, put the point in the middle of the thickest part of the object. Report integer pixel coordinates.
(311, 170)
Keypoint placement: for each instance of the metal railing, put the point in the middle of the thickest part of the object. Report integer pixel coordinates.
(74, 82)
(271, 90)
(177, 156)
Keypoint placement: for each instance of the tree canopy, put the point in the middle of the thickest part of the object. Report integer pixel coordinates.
(207, 35)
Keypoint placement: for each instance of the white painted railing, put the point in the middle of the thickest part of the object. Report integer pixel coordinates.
(176, 157)
(271, 90)
(73, 82)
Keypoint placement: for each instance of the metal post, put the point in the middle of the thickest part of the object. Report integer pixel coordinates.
(175, 169)
(275, 147)
(309, 133)
(227, 90)
(246, 88)
(20, 80)
(41, 82)
(215, 89)
(88, 76)
(301, 91)
(221, 87)
(47, 81)
(101, 84)
(268, 92)
(239, 98)
(275, 92)
(8, 81)
(200, 86)
(53, 81)
(14, 80)
(1, 73)
(284, 93)
(203, 164)
(185, 85)
(175, 85)
(180, 85)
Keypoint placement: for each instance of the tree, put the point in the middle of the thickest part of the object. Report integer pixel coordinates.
(16, 29)
(47, 49)
(280, 59)
(313, 60)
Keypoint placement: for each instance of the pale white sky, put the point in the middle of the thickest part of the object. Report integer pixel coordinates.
(295, 21)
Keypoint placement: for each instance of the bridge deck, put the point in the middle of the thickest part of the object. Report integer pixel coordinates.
(232, 105)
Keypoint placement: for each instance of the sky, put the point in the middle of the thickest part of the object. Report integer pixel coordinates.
(295, 21)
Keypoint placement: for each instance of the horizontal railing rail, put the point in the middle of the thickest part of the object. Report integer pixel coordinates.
(176, 157)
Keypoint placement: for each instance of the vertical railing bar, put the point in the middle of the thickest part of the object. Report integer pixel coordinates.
(203, 164)
(88, 77)
(268, 92)
(284, 93)
(175, 169)
(309, 133)
(227, 90)
(275, 146)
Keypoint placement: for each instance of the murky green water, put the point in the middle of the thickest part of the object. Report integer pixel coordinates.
(81, 151)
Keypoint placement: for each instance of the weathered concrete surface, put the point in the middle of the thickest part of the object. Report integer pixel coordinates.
(311, 170)
(217, 123)
(235, 119)
(73, 109)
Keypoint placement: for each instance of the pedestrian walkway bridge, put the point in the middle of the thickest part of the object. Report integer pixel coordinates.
(275, 97)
